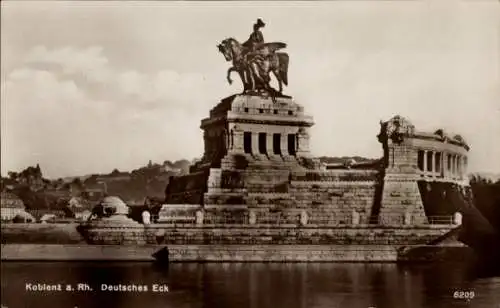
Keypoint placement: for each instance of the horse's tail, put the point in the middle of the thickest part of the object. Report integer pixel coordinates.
(283, 66)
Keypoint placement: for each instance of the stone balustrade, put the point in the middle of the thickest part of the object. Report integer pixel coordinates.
(242, 215)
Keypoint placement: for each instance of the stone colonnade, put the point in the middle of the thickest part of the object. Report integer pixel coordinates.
(442, 163)
(268, 143)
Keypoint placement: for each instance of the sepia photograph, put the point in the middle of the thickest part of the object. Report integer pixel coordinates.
(260, 154)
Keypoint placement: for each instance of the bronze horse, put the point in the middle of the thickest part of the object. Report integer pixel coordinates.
(254, 67)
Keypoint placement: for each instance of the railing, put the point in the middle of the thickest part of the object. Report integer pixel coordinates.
(441, 220)
(226, 219)
(329, 221)
(341, 218)
(175, 219)
(277, 218)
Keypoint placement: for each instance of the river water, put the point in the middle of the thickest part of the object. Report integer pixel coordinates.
(259, 285)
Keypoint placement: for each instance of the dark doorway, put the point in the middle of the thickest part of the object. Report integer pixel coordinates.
(291, 144)
(247, 142)
(437, 162)
(429, 161)
(421, 160)
(262, 143)
(277, 144)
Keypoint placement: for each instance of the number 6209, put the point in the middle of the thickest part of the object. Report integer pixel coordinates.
(463, 294)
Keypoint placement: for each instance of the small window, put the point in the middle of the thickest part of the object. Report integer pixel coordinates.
(261, 110)
(290, 112)
(246, 109)
(275, 111)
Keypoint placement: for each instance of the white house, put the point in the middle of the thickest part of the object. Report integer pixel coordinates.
(12, 206)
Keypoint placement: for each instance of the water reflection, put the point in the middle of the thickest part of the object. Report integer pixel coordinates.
(250, 285)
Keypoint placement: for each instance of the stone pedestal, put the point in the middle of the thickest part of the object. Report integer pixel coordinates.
(112, 226)
(255, 126)
(457, 218)
(251, 145)
(400, 196)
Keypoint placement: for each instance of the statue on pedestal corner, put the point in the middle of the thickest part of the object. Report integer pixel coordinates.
(254, 60)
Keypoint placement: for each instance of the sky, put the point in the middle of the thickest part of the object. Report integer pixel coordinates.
(87, 87)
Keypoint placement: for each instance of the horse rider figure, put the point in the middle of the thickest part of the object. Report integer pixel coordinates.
(255, 42)
(255, 59)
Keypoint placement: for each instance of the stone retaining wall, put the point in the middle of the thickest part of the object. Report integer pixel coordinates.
(202, 253)
(234, 253)
(174, 234)
(41, 233)
(265, 234)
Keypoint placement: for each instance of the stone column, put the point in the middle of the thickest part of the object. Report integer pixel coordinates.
(425, 162)
(302, 142)
(433, 162)
(255, 143)
(236, 140)
(284, 144)
(462, 169)
(269, 144)
(443, 167)
(445, 164)
(454, 165)
(465, 164)
(451, 166)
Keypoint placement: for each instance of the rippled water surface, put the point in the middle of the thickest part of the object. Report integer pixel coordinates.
(258, 285)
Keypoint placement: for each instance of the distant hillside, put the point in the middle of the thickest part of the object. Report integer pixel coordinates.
(148, 181)
(132, 186)
(343, 159)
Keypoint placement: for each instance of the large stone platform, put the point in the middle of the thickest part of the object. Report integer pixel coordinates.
(257, 163)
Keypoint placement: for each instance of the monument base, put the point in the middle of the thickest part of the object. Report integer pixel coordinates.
(252, 143)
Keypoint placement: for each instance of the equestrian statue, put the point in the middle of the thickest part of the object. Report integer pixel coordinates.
(254, 60)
